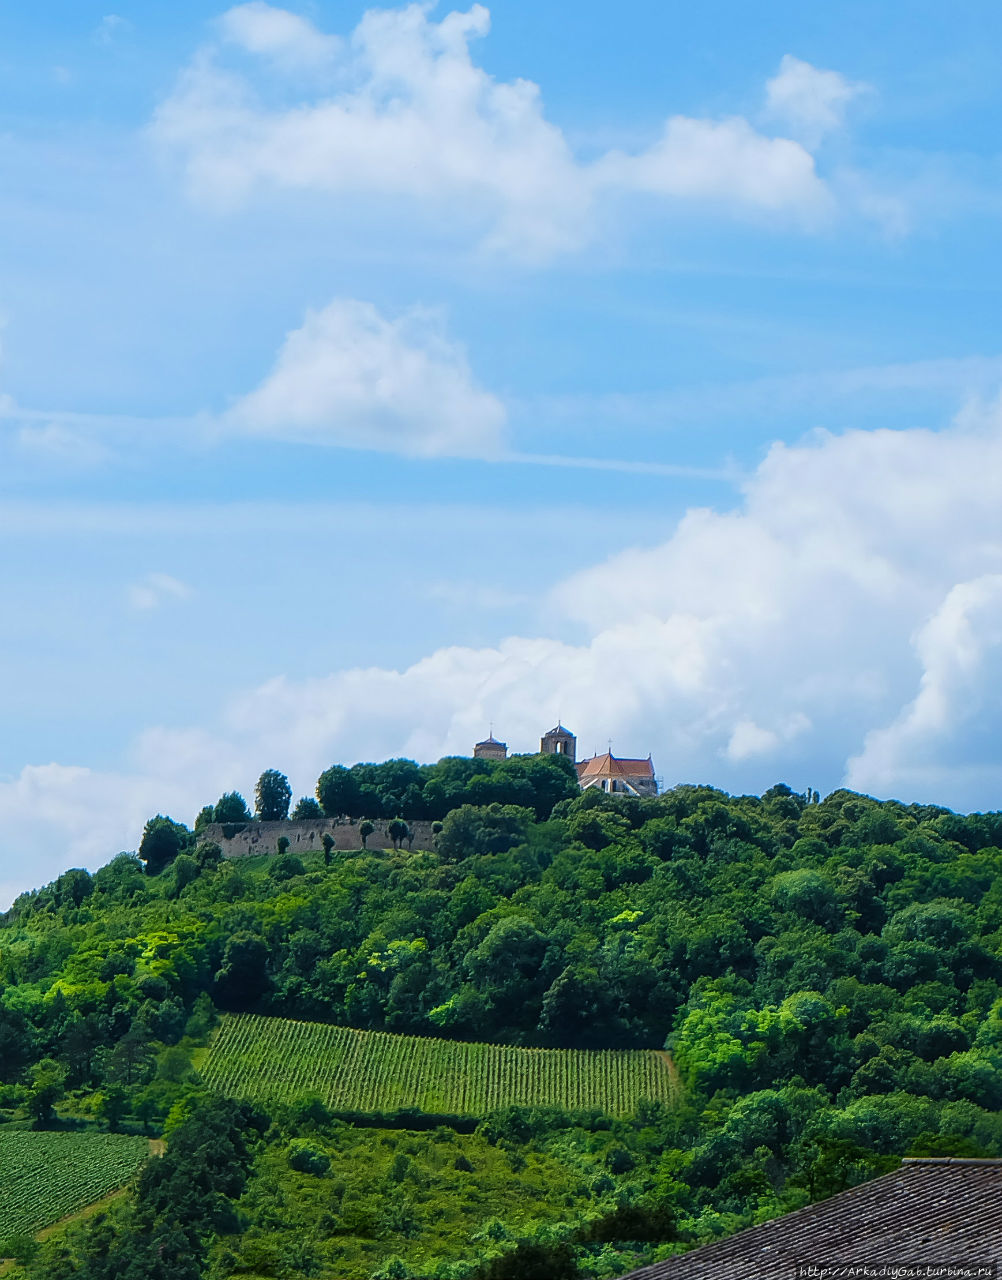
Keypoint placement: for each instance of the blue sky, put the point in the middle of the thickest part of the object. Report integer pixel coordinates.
(371, 375)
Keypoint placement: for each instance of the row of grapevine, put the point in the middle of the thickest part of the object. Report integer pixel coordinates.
(274, 1058)
(46, 1176)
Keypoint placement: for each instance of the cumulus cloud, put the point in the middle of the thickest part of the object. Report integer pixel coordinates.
(811, 103)
(726, 161)
(750, 740)
(57, 816)
(350, 376)
(157, 589)
(843, 623)
(947, 734)
(407, 112)
(292, 41)
(753, 644)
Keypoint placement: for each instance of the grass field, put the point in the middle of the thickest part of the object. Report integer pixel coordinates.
(266, 1059)
(45, 1176)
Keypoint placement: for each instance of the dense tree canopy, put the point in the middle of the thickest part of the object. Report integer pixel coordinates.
(403, 789)
(827, 976)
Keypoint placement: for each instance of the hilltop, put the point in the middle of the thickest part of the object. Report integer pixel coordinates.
(825, 974)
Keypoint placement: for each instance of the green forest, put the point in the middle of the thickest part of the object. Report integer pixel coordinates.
(825, 974)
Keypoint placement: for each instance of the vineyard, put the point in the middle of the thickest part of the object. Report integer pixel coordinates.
(46, 1176)
(265, 1059)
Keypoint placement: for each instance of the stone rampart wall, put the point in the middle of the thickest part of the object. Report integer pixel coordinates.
(306, 837)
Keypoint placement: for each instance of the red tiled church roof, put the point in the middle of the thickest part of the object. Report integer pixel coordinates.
(609, 766)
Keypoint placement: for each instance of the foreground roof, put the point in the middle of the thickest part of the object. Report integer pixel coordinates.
(930, 1210)
(609, 766)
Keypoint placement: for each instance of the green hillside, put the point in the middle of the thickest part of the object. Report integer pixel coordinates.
(825, 974)
(272, 1059)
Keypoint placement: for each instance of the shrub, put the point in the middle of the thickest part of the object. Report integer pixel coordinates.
(304, 1157)
(285, 866)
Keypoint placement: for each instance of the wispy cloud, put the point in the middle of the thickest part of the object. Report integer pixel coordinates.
(110, 28)
(157, 589)
(475, 595)
(956, 378)
(60, 444)
(629, 466)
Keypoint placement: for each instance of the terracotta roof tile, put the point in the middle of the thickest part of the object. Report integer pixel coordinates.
(608, 765)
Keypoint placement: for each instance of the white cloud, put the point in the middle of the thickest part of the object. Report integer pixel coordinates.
(157, 589)
(948, 733)
(753, 645)
(58, 816)
(845, 622)
(406, 112)
(292, 41)
(726, 161)
(811, 103)
(111, 26)
(60, 444)
(749, 740)
(351, 377)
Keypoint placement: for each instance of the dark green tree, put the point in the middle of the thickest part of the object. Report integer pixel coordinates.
(73, 887)
(272, 796)
(231, 807)
(306, 810)
(475, 829)
(163, 839)
(112, 1104)
(365, 829)
(185, 870)
(48, 1084)
(17, 1045)
(208, 854)
(285, 866)
(243, 976)
(130, 1063)
(338, 792)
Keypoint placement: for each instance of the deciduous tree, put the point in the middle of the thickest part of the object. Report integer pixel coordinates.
(272, 796)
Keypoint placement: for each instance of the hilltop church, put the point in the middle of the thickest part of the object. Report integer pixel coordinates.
(605, 772)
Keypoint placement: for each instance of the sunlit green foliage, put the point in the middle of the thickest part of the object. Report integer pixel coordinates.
(274, 1060)
(827, 975)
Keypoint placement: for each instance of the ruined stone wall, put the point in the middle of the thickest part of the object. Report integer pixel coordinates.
(258, 838)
